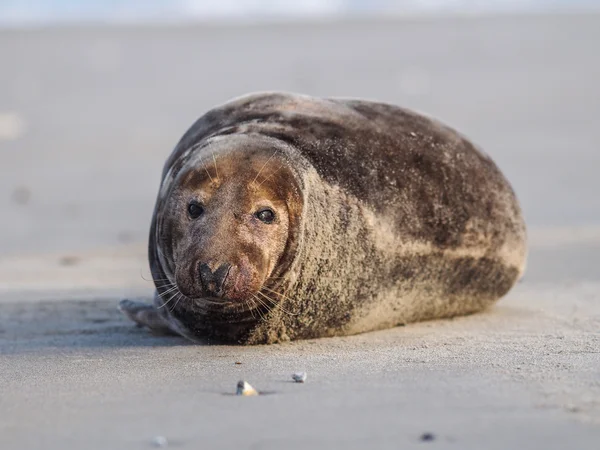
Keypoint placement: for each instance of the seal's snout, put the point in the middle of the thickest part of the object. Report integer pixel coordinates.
(213, 282)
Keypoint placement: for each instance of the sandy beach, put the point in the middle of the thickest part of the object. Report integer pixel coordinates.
(88, 116)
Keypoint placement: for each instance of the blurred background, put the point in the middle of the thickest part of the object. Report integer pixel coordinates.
(19, 12)
(95, 94)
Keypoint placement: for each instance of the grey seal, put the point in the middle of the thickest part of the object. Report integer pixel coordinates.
(282, 216)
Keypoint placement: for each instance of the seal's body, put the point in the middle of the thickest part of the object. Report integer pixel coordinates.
(288, 217)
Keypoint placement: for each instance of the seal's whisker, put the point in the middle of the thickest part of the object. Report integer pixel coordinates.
(165, 281)
(261, 303)
(143, 277)
(172, 290)
(215, 161)
(277, 293)
(264, 165)
(270, 176)
(163, 286)
(255, 307)
(152, 279)
(251, 307)
(164, 289)
(177, 302)
(167, 302)
(208, 173)
(274, 279)
(280, 303)
(264, 305)
(276, 305)
(168, 288)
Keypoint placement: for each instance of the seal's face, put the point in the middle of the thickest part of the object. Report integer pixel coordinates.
(225, 226)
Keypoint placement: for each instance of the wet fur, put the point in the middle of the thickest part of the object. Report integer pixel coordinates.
(399, 218)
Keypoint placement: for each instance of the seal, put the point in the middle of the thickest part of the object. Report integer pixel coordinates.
(282, 216)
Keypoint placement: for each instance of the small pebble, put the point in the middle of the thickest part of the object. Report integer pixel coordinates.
(160, 441)
(244, 388)
(299, 377)
(427, 437)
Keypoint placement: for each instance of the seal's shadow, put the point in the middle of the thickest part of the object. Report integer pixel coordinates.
(31, 326)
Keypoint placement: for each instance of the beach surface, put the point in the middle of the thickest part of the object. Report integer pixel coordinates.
(87, 117)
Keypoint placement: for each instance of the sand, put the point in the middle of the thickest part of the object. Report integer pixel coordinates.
(98, 111)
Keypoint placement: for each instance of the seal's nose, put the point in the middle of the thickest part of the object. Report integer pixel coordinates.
(212, 282)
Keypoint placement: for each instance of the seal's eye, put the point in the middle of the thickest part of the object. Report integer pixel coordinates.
(195, 210)
(265, 215)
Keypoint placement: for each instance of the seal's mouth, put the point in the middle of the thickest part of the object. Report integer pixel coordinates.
(198, 308)
(215, 303)
(256, 305)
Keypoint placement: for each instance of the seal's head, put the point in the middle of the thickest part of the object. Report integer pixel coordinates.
(228, 224)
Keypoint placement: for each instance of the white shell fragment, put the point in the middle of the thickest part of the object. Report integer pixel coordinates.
(244, 388)
(299, 377)
(160, 441)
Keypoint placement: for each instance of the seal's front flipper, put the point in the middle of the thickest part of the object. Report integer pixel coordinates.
(145, 315)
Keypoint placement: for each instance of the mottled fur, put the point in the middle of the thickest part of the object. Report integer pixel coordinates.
(395, 218)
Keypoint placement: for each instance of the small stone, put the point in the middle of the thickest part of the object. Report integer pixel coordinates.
(299, 377)
(244, 388)
(160, 441)
(427, 437)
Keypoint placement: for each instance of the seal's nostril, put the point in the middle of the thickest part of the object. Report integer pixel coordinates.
(220, 275)
(206, 275)
(212, 282)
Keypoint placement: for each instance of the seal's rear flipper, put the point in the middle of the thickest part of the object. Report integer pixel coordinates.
(145, 315)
